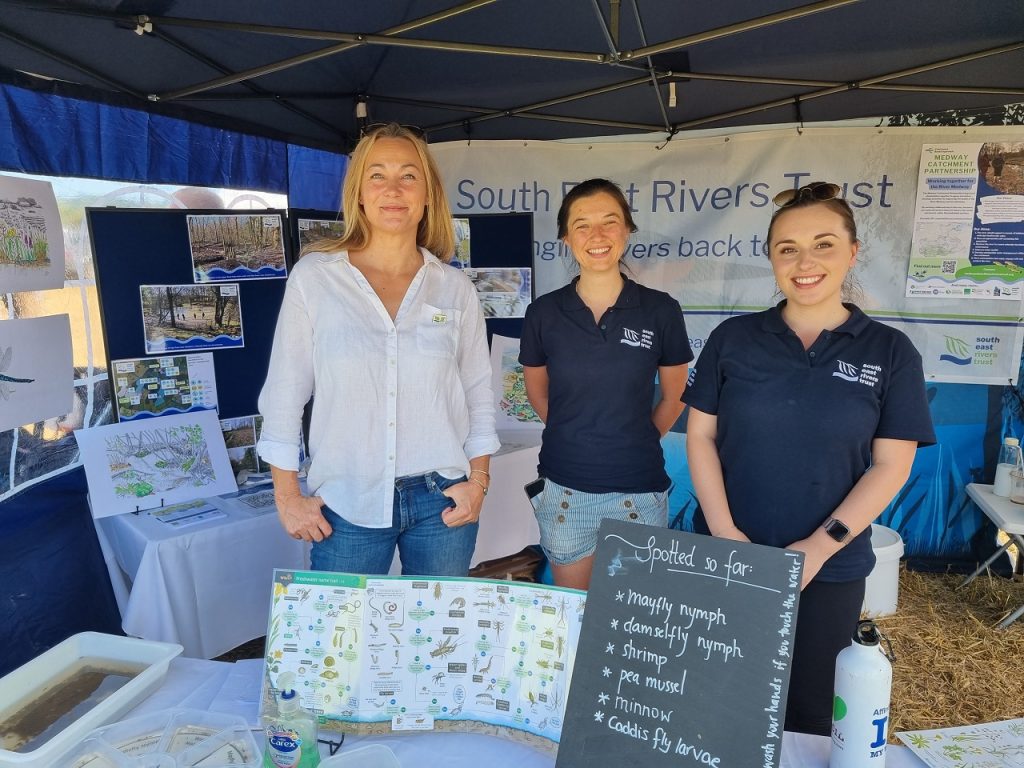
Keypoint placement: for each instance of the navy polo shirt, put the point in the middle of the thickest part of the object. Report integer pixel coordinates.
(599, 436)
(795, 426)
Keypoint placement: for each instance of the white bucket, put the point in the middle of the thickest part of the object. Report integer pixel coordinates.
(883, 583)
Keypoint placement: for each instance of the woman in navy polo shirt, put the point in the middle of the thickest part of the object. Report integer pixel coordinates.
(590, 352)
(803, 424)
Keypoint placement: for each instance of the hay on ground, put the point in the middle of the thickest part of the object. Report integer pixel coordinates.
(954, 666)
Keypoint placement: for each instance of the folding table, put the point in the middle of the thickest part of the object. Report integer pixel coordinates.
(1008, 517)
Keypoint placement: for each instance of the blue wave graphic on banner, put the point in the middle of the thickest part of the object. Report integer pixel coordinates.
(242, 273)
(196, 342)
(955, 360)
(167, 412)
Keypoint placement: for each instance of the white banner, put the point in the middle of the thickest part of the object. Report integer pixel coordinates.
(703, 204)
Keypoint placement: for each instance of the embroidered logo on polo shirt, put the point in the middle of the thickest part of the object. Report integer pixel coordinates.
(867, 374)
(846, 371)
(642, 339)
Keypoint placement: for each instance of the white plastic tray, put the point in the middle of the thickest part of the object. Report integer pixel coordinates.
(25, 683)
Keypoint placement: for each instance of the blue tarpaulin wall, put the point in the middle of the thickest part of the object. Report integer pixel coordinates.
(55, 582)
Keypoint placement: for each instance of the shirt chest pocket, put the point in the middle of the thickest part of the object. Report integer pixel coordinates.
(437, 331)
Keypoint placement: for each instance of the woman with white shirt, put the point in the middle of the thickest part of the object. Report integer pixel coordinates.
(392, 341)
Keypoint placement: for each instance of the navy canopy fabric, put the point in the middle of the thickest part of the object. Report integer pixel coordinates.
(56, 135)
(55, 582)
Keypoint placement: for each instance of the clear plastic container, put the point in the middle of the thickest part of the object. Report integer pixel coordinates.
(1009, 460)
(172, 738)
(1017, 486)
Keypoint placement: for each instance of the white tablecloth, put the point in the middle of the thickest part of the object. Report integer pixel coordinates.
(507, 522)
(196, 684)
(206, 587)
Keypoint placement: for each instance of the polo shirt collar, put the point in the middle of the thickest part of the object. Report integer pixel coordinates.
(854, 325)
(629, 296)
(428, 258)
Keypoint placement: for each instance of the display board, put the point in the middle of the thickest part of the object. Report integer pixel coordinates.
(684, 653)
(133, 248)
(140, 251)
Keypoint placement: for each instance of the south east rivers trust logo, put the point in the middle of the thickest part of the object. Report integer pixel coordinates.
(642, 339)
(867, 373)
(982, 352)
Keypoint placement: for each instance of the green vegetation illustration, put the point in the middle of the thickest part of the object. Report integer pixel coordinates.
(153, 461)
(23, 226)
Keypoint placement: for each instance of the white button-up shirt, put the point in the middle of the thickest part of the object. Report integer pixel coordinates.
(393, 398)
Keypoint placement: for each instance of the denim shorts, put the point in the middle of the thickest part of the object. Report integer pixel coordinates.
(569, 519)
(425, 544)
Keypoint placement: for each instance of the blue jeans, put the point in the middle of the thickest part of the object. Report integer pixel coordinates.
(426, 545)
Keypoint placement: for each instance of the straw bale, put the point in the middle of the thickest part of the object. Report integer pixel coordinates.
(954, 666)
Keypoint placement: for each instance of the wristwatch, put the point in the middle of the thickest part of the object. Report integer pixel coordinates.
(837, 529)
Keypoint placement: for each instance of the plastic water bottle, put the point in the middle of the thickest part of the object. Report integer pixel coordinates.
(1009, 458)
(860, 710)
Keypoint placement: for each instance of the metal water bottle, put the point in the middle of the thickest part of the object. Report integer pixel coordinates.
(860, 709)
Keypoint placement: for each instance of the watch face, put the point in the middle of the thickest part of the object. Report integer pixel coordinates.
(836, 529)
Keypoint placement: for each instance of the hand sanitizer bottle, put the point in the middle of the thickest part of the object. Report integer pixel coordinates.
(291, 731)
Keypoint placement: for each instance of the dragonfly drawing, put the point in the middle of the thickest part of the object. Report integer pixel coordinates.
(6, 381)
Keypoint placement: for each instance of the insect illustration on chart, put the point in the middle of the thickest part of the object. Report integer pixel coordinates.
(6, 390)
(485, 604)
(438, 677)
(352, 606)
(458, 603)
(561, 612)
(303, 595)
(554, 699)
(445, 648)
(487, 667)
(437, 590)
(498, 626)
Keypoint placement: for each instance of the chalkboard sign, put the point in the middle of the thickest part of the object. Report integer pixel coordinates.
(684, 653)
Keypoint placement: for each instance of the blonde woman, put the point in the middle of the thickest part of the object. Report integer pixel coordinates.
(392, 341)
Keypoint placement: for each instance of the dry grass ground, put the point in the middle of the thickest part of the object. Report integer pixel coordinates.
(953, 665)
